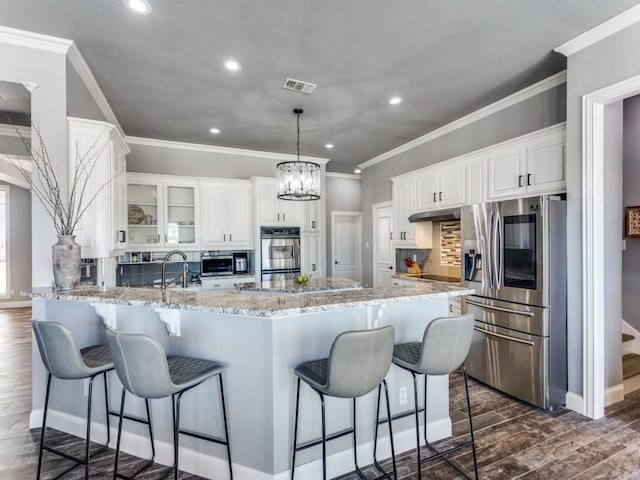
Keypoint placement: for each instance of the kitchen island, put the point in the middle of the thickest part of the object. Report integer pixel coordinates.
(260, 338)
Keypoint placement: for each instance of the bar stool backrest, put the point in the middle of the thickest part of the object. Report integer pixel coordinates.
(359, 361)
(445, 344)
(141, 364)
(59, 350)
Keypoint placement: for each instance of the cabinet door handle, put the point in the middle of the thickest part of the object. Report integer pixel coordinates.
(165, 238)
(283, 219)
(313, 267)
(440, 196)
(390, 235)
(278, 217)
(229, 237)
(224, 237)
(519, 180)
(404, 235)
(528, 179)
(313, 224)
(434, 197)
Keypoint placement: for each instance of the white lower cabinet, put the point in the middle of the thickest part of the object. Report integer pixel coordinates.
(222, 283)
(226, 216)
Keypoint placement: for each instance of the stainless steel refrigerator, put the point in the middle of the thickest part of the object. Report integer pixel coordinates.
(514, 255)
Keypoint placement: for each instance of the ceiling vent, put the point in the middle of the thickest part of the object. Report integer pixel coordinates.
(299, 86)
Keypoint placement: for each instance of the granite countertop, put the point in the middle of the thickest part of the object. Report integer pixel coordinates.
(232, 302)
(314, 285)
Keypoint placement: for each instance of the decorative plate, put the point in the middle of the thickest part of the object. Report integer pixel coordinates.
(136, 215)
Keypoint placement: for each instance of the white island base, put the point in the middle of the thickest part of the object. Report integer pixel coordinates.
(260, 352)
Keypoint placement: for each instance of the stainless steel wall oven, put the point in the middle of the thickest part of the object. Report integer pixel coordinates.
(280, 253)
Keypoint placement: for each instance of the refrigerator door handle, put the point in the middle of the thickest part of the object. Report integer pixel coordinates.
(497, 251)
(489, 259)
(500, 309)
(504, 337)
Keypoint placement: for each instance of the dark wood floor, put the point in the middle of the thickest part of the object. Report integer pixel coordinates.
(514, 439)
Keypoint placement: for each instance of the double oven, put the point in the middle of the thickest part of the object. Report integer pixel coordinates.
(514, 256)
(279, 253)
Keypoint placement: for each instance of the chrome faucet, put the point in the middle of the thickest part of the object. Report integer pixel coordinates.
(164, 268)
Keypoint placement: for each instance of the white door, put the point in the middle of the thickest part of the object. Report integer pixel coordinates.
(346, 232)
(383, 254)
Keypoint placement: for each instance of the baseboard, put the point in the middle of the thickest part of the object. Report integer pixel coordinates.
(632, 346)
(15, 304)
(613, 394)
(209, 466)
(574, 402)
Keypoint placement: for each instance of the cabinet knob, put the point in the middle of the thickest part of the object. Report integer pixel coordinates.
(390, 267)
(336, 262)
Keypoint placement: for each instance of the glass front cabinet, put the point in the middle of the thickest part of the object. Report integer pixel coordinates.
(161, 212)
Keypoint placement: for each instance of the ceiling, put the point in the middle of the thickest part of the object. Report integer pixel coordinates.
(163, 77)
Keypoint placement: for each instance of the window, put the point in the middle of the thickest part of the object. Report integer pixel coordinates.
(4, 220)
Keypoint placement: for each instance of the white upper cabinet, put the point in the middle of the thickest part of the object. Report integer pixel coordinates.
(531, 167)
(441, 187)
(406, 234)
(476, 179)
(311, 255)
(102, 228)
(163, 211)
(271, 210)
(226, 214)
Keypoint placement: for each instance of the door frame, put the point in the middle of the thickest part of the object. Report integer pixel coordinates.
(593, 262)
(358, 215)
(374, 211)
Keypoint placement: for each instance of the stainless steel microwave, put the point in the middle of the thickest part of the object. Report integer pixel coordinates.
(215, 265)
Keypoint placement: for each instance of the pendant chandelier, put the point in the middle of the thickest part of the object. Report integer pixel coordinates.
(298, 180)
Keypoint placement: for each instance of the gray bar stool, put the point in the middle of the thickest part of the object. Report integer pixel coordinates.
(64, 360)
(357, 364)
(146, 372)
(443, 350)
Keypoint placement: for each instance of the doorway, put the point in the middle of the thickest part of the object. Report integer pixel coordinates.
(383, 254)
(594, 224)
(346, 238)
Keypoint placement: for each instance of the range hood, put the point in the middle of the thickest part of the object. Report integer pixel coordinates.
(436, 216)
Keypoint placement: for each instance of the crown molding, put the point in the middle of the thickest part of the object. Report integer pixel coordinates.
(506, 102)
(7, 130)
(197, 147)
(83, 70)
(34, 40)
(350, 176)
(600, 32)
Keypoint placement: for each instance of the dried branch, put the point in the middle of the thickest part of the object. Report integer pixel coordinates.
(66, 213)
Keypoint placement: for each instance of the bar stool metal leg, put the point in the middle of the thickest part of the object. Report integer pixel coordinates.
(226, 428)
(44, 423)
(473, 442)
(295, 431)
(324, 440)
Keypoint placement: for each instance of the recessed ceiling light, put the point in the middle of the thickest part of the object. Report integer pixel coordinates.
(395, 100)
(357, 171)
(329, 146)
(215, 131)
(141, 7)
(232, 65)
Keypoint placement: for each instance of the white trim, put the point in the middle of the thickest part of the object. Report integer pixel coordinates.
(631, 384)
(84, 72)
(574, 402)
(214, 467)
(593, 286)
(613, 395)
(197, 147)
(350, 176)
(9, 172)
(358, 241)
(16, 304)
(7, 130)
(600, 32)
(506, 102)
(38, 41)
